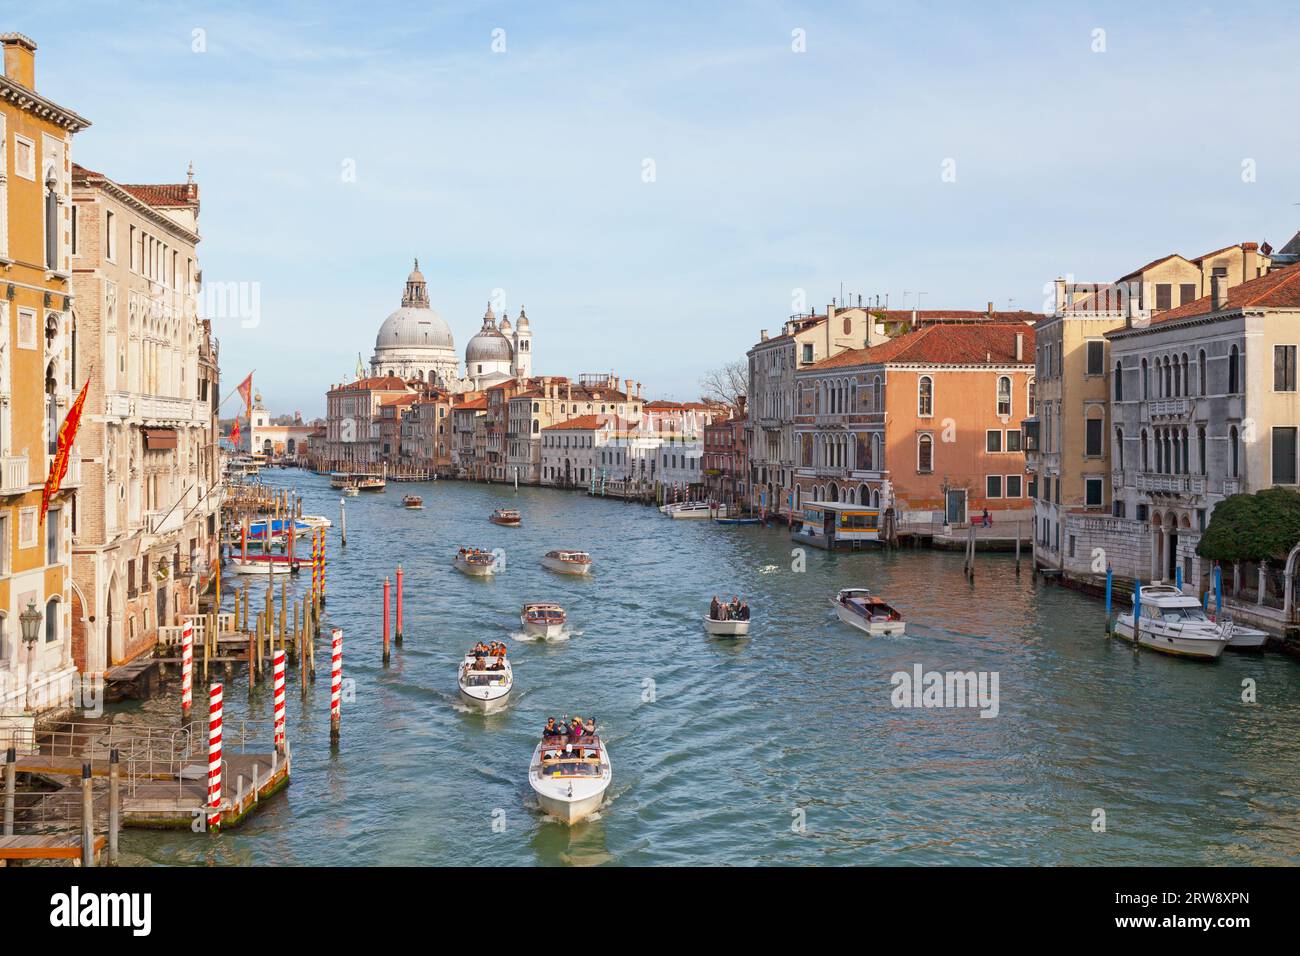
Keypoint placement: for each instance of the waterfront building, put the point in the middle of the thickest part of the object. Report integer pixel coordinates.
(39, 380)
(392, 415)
(352, 421)
(468, 427)
(1069, 451)
(1204, 403)
(274, 440)
(548, 400)
(678, 470)
(725, 462)
(927, 423)
(426, 442)
(148, 510)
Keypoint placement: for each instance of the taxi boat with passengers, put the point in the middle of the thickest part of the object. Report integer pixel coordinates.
(543, 620)
(567, 562)
(506, 516)
(570, 775)
(475, 562)
(485, 678)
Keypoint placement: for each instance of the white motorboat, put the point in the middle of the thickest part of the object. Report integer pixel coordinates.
(262, 564)
(860, 608)
(567, 562)
(351, 491)
(1243, 638)
(315, 521)
(718, 628)
(475, 562)
(694, 509)
(1173, 623)
(483, 684)
(570, 777)
(543, 620)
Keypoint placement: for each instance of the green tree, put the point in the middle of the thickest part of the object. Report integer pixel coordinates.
(1262, 526)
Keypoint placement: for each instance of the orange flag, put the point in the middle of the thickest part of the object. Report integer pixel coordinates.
(234, 433)
(67, 435)
(245, 389)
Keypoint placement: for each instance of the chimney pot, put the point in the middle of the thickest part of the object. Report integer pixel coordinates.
(1020, 346)
(20, 59)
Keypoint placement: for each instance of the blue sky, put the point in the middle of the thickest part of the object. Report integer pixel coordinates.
(775, 170)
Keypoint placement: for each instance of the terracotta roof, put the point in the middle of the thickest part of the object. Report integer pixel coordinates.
(474, 404)
(161, 195)
(942, 344)
(1279, 289)
(585, 423)
(955, 315)
(383, 383)
(1150, 265)
(400, 400)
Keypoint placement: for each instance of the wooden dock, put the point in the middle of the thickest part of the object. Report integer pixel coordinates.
(58, 846)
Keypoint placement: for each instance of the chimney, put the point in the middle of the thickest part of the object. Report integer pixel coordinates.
(1020, 346)
(1060, 294)
(914, 319)
(1219, 290)
(1249, 261)
(762, 335)
(20, 59)
(990, 313)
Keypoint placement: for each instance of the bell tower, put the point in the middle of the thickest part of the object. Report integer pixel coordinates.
(522, 341)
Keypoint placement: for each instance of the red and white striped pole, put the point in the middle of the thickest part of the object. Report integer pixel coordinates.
(336, 685)
(315, 564)
(187, 669)
(277, 666)
(387, 591)
(214, 756)
(398, 636)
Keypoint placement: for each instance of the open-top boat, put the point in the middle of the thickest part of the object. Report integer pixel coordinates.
(475, 562)
(736, 520)
(543, 620)
(262, 564)
(567, 562)
(723, 627)
(506, 516)
(570, 776)
(370, 482)
(315, 521)
(862, 609)
(414, 502)
(1173, 623)
(351, 490)
(694, 509)
(485, 681)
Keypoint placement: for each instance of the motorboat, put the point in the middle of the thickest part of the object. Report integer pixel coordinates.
(737, 521)
(475, 562)
(694, 509)
(263, 564)
(414, 502)
(505, 516)
(543, 620)
(1243, 638)
(1173, 623)
(567, 562)
(862, 609)
(485, 681)
(726, 628)
(315, 521)
(570, 776)
(370, 482)
(351, 491)
(341, 479)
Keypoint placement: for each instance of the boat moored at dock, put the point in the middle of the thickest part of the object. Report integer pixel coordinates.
(475, 562)
(543, 620)
(507, 517)
(567, 562)
(262, 564)
(485, 679)
(1172, 622)
(859, 608)
(570, 775)
(693, 509)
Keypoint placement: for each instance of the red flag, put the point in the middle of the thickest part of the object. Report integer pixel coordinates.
(245, 389)
(234, 434)
(67, 435)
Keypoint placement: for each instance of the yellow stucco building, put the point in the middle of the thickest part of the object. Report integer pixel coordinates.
(37, 384)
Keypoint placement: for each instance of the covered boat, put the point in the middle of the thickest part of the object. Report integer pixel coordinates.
(570, 776)
(567, 562)
(1173, 623)
(543, 620)
(414, 502)
(505, 516)
(485, 681)
(262, 564)
(862, 609)
(694, 509)
(475, 562)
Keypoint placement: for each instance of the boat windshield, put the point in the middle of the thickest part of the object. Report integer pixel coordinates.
(478, 679)
(548, 614)
(1182, 614)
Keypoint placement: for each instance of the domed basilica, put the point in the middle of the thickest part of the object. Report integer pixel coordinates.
(415, 342)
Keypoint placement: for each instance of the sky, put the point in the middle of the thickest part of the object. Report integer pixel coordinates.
(657, 182)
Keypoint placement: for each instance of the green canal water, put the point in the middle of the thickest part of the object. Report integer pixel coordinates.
(783, 749)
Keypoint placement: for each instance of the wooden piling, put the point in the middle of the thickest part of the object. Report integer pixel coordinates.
(11, 788)
(114, 804)
(87, 817)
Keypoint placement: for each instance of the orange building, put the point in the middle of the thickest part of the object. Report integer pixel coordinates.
(925, 423)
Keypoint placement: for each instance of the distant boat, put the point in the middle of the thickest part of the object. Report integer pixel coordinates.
(1174, 623)
(414, 502)
(505, 516)
(693, 509)
(717, 628)
(475, 563)
(543, 620)
(736, 521)
(859, 608)
(567, 562)
(263, 564)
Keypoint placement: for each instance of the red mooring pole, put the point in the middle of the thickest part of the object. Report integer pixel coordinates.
(387, 589)
(398, 635)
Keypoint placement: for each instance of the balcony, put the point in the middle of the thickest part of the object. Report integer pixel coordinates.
(1170, 408)
(1170, 484)
(13, 476)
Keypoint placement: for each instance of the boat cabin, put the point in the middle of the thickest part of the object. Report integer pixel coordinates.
(836, 526)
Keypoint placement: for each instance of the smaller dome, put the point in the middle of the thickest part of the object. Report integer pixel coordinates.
(504, 327)
(488, 345)
(522, 323)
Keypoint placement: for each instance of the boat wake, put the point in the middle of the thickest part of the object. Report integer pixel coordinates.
(538, 639)
(769, 569)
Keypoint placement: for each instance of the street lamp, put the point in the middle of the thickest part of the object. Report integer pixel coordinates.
(30, 622)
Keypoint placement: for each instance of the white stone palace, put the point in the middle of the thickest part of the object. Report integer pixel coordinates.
(415, 343)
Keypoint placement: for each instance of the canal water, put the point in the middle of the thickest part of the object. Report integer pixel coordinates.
(783, 749)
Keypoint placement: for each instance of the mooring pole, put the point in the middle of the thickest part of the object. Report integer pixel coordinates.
(11, 788)
(387, 588)
(398, 635)
(87, 818)
(114, 804)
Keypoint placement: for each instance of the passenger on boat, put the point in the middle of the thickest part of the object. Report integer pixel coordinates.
(715, 608)
(552, 729)
(743, 613)
(575, 728)
(589, 727)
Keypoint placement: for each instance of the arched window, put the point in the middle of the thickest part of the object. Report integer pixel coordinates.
(1187, 381)
(878, 399)
(924, 396)
(1145, 381)
(1119, 447)
(1031, 397)
(1145, 452)
(1200, 372)
(51, 620)
(51, 221)
(1119, 382)
(1234, 371)
(1004, 395)
(537, 426)
(925, 454)
(1200, 446)
(1236, 450)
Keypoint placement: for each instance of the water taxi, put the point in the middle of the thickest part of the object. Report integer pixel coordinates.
(505, 516)
(351, 491)
(567, 562)
(1173, 623)
(370, 482)
(723, 627)
(262, 564)
(570, 776)
(859, 608)
(693, 509)
(341, 480)
(543, 620)
(475, 562)
(414, 502)
(315, 521)
(485, 681)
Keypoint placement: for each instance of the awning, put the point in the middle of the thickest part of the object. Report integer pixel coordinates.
(159, 439)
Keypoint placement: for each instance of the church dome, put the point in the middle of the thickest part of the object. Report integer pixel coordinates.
(414, 325)
(488, 345)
